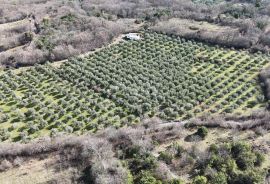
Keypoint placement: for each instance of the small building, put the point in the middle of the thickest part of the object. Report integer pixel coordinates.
(132, 36)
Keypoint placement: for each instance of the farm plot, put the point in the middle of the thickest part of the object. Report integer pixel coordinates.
(169, 77)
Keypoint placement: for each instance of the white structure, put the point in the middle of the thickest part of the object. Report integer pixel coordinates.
(133, 36)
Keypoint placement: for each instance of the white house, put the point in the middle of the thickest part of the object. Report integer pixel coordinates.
(133, 36)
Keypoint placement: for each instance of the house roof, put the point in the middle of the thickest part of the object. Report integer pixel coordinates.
(133, 36)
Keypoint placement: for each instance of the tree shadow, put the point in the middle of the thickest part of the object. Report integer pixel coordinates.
(193, 138)
(86, 176)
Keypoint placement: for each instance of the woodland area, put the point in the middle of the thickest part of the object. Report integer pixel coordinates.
(150, 153)
(36, 31)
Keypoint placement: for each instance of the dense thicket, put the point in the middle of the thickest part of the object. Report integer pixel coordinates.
(56, 30)
(152, 152)
(64, 29)
(234, 163)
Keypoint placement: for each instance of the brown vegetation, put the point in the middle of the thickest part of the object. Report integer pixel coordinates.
(259, 118)
(55, 33)
(95, 156)
(64, 29)
(207, 32)
(100, 158)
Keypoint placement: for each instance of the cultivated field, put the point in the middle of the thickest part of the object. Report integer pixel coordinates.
(169, 77)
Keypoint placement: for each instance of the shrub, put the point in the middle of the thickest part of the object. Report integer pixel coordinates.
(202, 132)
(249, 177)
(4, 134)
(132, 151)
(259, 159)
(146, 177)
(219, 178)
(213, 148)
(175, 181)
(260, 131)
(4, 165)
(166, 157)
(199, 180)
(144, 161)
(177, 149)
(243, 155)
(240, 147)
(245, 160)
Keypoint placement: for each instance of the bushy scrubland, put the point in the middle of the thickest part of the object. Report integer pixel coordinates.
(61, 29)
(142, 154)
(234, 163)
(258, 119)
(57, 30)
(111, 156)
